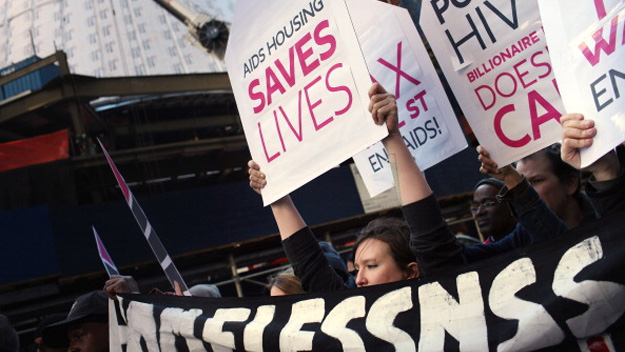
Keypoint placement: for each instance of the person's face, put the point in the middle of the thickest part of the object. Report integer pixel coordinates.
(89, 337)
(492, 218)
(553, 192)
(376, 265)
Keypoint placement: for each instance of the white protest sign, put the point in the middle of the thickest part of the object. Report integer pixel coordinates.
(587, 48)
(301, 84)
(496, 60)
(398, 60)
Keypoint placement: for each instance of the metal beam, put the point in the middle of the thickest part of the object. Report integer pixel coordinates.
(80, 89)
(145, 85)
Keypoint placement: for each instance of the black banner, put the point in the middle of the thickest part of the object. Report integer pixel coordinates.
(566, 294)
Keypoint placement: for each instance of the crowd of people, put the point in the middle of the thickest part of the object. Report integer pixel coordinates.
(538, 198)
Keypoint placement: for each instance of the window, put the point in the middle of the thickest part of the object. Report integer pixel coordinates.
(132, 35)
(90, 21)
(139, 70)
(108, 47)
(167, 34)
(151, 61)
(187, 59)
(95, 55)
(93, 38)
(135, 53)
(106, 30)
(104, 14)
(141, 28)
(146, 44)
(113, 65)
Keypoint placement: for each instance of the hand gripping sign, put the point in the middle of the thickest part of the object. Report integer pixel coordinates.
(300, 83)
(587, 48)
(398, 60)
(495, 58)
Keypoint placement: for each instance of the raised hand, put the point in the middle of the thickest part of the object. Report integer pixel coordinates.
(383, 107)
(257, 178)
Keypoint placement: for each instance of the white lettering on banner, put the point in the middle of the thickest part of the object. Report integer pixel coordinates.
(599, 315)
(438, 315)
(223, 341)
(145, 331)
(292, 338)
(464, 319)
(533, 319)
(335, 324)
(178, 322)
(382, 314)
(253, 332)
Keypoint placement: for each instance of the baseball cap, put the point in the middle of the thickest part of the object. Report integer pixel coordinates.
(91, 307)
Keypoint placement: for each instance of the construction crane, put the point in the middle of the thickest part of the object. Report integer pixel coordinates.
(206, 32)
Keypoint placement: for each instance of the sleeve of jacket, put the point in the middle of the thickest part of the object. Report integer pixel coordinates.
(431, 240)
(532, 213)
(309, 263)
(609, 196)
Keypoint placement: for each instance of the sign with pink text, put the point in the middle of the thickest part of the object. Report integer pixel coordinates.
(398, 60)
(495, 58)
(587, 48)
(300, 83)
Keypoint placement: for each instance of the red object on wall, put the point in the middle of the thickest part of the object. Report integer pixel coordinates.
(36, 150)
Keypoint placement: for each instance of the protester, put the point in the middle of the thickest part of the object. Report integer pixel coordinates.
(373, 256)
(284, 283)
(86, 327)
(9, 341)
(558, 185)
(492, 218)
(38, 339)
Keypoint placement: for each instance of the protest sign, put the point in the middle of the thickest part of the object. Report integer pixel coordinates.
(398, 60)
(495, 58)
(168, 266)
(300, 83)
(111, 268)
(551, 295)
(587, 49)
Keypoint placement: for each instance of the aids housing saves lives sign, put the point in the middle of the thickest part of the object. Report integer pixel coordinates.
(496, 59)
(301, 84)
(587, 47)
(552, 295)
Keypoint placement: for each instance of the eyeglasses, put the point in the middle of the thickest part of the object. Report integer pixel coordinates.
(475, 208)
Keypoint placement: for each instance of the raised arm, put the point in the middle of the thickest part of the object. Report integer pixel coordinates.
(287, 217)
(412, 184)
(298, 241)
(606, 186)
(433, 244)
